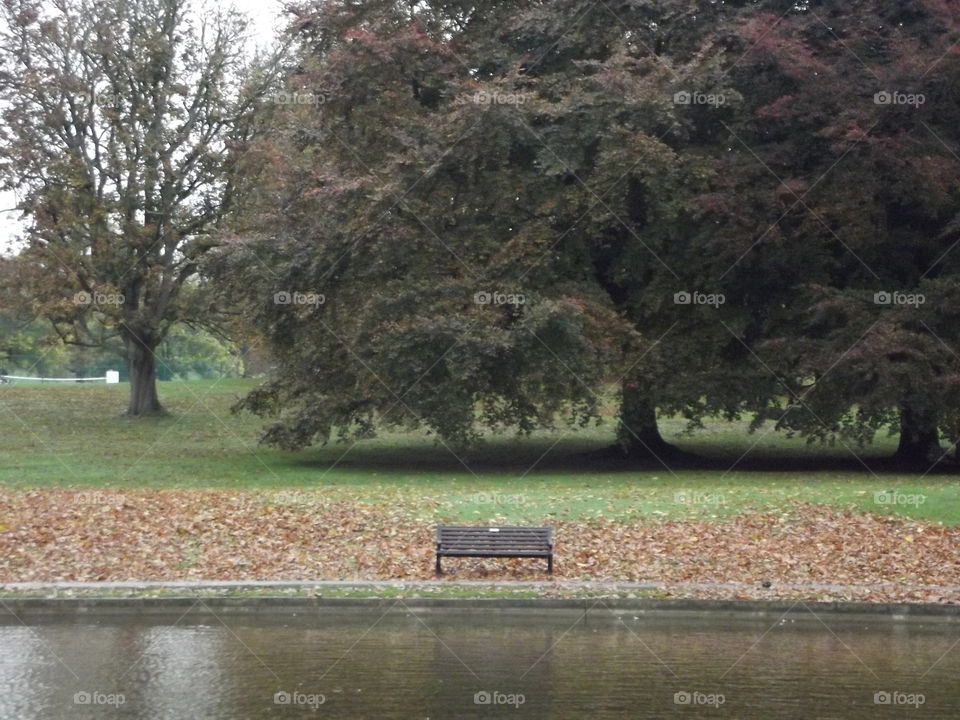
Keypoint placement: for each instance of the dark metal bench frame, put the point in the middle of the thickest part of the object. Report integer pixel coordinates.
(503, 541)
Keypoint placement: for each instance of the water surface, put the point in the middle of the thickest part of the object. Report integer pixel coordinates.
(558, 665)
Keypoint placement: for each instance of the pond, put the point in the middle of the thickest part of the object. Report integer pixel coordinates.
(483, 663)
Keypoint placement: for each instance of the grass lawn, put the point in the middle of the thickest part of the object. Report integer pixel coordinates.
(76, 436)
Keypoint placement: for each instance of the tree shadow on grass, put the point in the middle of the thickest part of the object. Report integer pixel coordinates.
(532, 457)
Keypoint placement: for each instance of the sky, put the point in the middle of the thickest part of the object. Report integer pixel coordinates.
(265, 16)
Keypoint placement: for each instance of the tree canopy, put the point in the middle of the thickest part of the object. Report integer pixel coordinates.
(503, 210)
(463, 217)
(118, 125)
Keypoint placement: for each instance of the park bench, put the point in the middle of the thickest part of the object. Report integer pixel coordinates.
(519, 542)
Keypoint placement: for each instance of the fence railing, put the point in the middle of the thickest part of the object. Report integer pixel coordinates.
(111, 378)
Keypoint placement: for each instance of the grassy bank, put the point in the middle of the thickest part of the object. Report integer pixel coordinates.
(75, 436)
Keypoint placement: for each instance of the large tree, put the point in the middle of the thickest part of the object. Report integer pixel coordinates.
(117, 124)
(835, 213)
(605, 162)
(438, 153)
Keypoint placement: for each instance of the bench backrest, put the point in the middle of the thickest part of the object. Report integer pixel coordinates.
(459, 537)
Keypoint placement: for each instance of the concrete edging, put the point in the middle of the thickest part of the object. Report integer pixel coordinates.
(595, 606)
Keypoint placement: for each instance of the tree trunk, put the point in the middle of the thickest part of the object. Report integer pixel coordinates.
(141, 360)
(919, 437)
(637, 431)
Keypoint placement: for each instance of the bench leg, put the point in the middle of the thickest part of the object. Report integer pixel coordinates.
(550, 564)
(439, 570)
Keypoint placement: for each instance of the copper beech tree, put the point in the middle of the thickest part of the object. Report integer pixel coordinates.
(705, 204)
(836, 214)
(449, 160)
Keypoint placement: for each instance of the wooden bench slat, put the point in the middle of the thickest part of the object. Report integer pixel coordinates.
(494, 535)
(488, 542)
(501, 538)
(544, 549)
(486, 528)
(495, 545)
(504, 534)
(536, 546)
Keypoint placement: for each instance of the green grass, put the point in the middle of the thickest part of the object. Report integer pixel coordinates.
(76, 436)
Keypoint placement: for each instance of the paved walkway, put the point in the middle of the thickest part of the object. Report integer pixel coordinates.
(478, 584)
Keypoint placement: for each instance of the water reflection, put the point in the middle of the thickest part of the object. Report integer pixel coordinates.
(562, 665)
